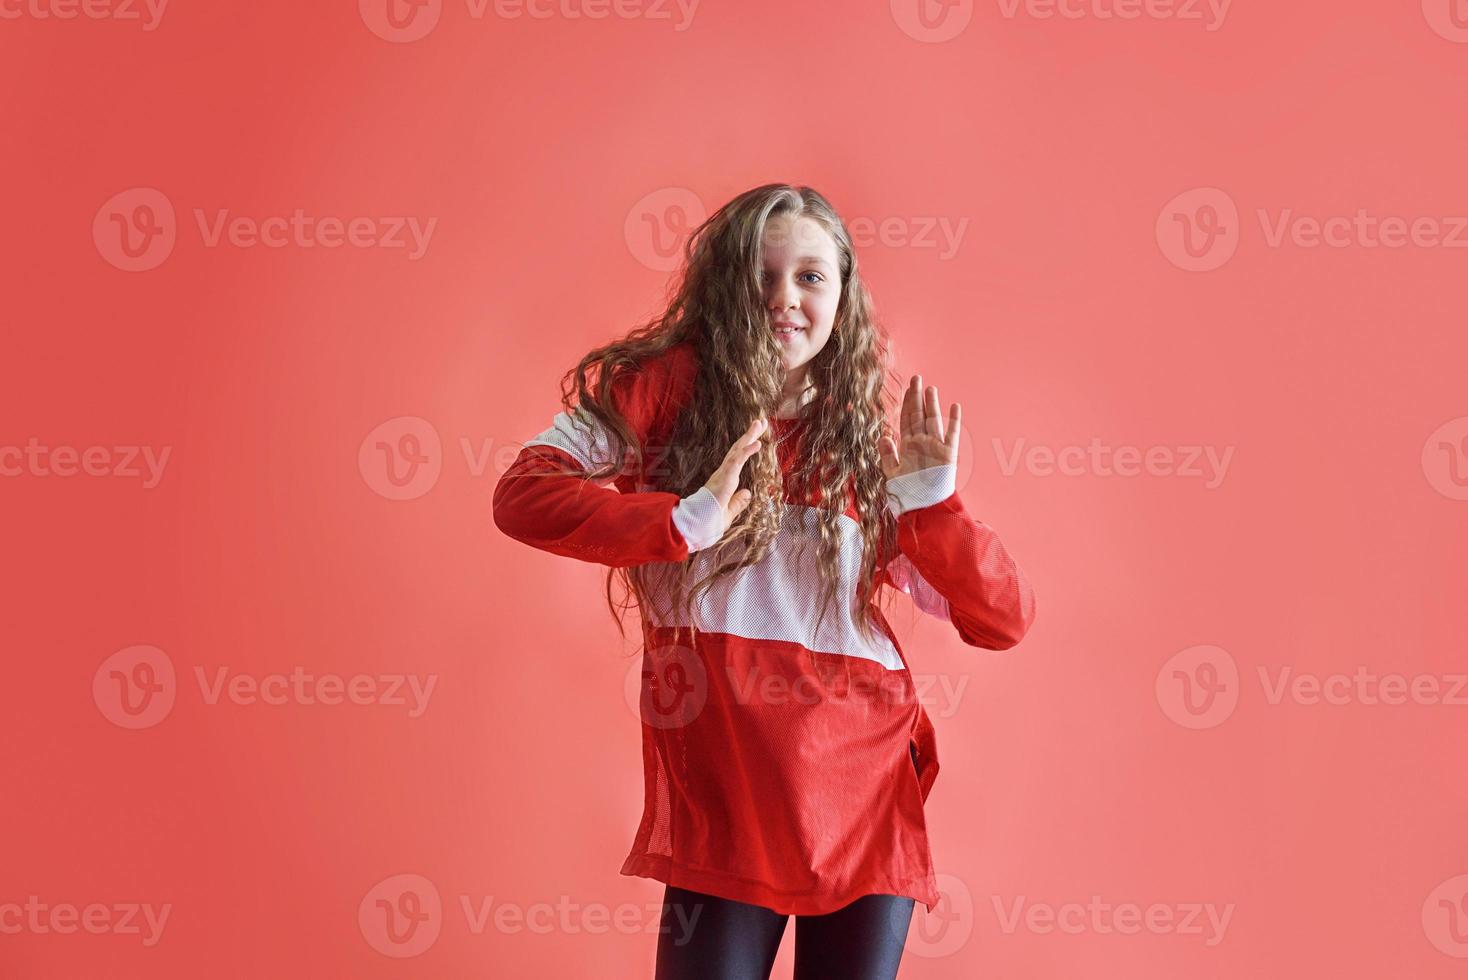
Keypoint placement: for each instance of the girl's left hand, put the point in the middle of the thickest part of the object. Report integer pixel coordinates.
(925, 440)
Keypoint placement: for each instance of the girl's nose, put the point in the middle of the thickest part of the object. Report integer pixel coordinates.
(782, 296)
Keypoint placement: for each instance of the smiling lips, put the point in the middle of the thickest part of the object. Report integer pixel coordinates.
(786, 329)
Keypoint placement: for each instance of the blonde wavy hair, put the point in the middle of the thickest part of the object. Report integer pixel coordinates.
(716, 303)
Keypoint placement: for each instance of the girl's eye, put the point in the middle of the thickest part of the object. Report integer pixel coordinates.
(816, 274)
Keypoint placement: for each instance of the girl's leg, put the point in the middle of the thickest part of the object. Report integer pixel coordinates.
(706, 938)
(862, 941)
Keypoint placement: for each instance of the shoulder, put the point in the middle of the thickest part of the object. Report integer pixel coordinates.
(653, 391)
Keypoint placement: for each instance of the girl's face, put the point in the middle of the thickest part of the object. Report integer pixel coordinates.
(802, 287)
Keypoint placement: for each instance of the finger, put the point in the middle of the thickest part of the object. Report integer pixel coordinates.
(912, 408)
(738, 503)
(888, 451)
(932, 414)
(725, 478)
(955, 423)
(746, 445)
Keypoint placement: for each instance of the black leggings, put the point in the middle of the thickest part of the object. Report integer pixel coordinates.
(708, 938)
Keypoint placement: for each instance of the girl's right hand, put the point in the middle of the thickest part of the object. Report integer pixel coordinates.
(704, 515)
(724, 481)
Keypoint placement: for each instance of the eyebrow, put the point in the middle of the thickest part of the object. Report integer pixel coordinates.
(815, 259)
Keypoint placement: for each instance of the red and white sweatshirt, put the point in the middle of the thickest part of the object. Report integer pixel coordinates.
(785, 765)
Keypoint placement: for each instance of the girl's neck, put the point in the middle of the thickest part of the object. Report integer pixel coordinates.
(797, 392)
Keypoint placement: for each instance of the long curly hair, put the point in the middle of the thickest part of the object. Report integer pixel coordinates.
(716, 303)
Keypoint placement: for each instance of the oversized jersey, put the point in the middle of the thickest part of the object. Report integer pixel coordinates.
(786, 762)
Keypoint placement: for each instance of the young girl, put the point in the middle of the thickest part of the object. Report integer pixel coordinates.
(786, 756)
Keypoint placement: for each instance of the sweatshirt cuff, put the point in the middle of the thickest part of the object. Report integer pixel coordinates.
(922, 488)
(699, 519)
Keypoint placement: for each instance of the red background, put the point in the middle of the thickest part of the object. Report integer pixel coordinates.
(1334, 542)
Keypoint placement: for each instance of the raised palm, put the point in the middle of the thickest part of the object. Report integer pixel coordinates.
(926, 441)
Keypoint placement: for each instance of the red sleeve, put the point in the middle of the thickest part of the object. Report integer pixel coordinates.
(954, 565)
(567, 514)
